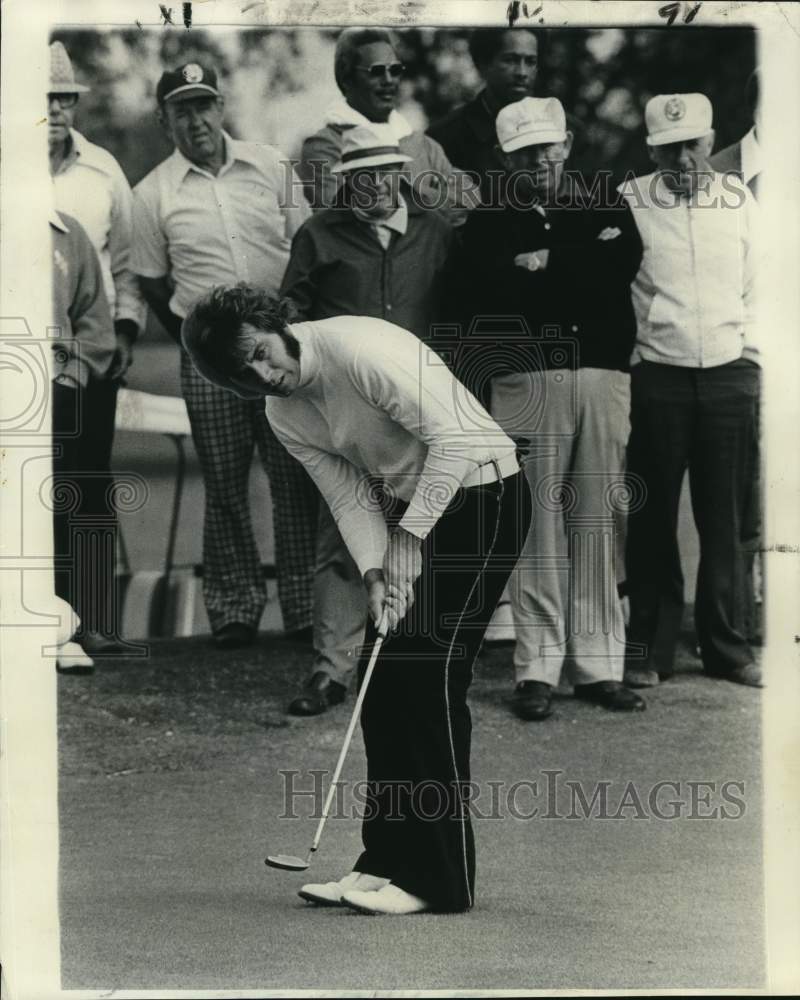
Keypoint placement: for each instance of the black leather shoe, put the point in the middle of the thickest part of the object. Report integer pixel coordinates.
(318, 695)
(304, 635)
(96, 644)
(234, 635)
(532, 700)
(611, 695)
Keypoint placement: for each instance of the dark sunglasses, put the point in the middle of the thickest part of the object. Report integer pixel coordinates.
(64, 100)
(377, 71)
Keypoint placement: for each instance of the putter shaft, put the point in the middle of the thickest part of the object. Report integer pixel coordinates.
(383, 628)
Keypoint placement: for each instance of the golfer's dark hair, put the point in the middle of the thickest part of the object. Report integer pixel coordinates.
(345, 57)
(211, 332)
(485, 43)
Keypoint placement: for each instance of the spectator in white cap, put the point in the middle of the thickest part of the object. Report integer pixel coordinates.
(556, 272)
(695, 387)
(368, 72)
(89, 185)
(376, 253)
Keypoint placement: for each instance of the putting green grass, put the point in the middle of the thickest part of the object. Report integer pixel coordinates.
(171, 797)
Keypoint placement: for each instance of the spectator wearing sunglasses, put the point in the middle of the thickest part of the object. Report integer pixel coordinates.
(368, 73)
(90, 186)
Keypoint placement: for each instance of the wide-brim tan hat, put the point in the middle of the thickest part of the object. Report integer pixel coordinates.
(62, 75)
(372, 145)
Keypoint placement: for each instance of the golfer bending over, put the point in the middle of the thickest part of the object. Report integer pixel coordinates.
(428, 496)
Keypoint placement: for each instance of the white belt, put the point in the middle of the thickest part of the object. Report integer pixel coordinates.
(488, 473)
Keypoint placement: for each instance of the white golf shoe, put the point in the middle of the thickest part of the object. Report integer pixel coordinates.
(391, 899)
(330, 893)
(71, 659)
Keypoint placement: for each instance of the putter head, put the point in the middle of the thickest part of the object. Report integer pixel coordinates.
(286, 862)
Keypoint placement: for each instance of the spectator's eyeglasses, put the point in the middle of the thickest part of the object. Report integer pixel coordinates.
(63, 100)
(378, 71)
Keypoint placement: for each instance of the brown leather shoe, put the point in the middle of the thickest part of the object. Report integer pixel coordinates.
(611, 695)
(318, 695)
(531, 700)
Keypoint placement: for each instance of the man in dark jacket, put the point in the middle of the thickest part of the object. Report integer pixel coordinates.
(546, 314)
(507, 60)
(377, 252)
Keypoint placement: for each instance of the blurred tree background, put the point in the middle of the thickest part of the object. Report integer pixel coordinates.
(279, 81)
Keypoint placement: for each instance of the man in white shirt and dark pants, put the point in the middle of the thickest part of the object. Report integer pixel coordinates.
(356, 399)
(695, 385)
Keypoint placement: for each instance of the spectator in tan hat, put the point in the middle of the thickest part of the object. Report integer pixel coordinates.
(377, 253)
(695, 387)
(220, 209)
(555, 275)
(368, 73)
(90, 186)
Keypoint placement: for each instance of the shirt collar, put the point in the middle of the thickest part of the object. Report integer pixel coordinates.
(309, 359)
(397, 221)
(85, 152)
(666, 196)
(751, 156)
(234, 150)
(341, 114)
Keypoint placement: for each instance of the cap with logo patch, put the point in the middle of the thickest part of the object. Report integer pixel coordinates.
(530, 122)
(677, 118)
(190, 80)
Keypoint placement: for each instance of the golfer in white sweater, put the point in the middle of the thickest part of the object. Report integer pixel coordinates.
(427, 493)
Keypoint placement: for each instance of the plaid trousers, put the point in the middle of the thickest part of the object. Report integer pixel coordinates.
(225, 429)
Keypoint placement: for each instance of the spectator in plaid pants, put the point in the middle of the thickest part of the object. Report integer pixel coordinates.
(222, 210)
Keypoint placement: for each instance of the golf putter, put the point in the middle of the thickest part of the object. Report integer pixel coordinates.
(287, 862)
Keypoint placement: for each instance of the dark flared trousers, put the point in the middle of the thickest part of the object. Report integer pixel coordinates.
(84, 515)
(703, 419)
(416, 721)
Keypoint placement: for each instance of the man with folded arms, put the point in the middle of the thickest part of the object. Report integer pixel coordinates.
(558, 270)
(378, 253)
(695, 388)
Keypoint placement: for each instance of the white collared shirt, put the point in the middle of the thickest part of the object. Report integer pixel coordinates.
(397, 222)
(751, 156)
(205, 230)
(375, 401)
(91, 187)
(694, 294)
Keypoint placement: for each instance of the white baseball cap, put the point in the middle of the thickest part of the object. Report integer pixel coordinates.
(677, 117)
(530, 122)
(372, 145)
